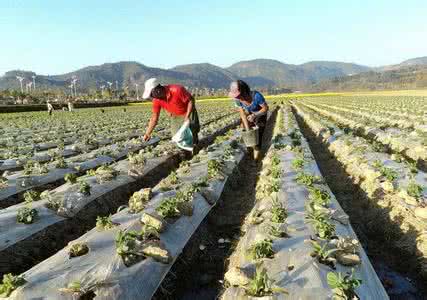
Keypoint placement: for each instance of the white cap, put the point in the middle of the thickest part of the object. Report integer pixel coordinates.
(150, 84)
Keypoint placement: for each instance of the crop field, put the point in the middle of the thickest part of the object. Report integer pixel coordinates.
(90, 211)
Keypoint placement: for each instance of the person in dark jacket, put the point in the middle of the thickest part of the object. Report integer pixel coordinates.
(252, 108)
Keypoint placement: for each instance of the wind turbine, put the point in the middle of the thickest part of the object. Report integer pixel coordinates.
(34, 82)
(71, 88)
(137, 95)
(28, 86)
(73, 82)
(20, 79)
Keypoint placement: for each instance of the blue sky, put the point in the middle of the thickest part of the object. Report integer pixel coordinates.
(57, 36)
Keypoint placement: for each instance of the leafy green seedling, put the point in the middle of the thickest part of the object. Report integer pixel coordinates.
(84, 188)
(278, 213)
(31, 196)
(260, 285)
(297, 164)
(323, 253)
(105, 223)
(344, 286)
(306, 179)
(320, 196)
(262, 249)
(414, 190)
(70, 178)
(10, 283)
(26, 215)
(168, 208)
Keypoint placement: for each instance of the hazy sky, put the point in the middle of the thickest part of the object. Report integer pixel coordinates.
(57, 36)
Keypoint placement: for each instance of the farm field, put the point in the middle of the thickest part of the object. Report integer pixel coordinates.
(90, 211)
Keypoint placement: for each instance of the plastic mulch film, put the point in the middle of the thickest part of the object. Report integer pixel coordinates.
(102, 270)
(294, 273)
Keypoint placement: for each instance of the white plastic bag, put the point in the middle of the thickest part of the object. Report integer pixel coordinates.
(184, 137)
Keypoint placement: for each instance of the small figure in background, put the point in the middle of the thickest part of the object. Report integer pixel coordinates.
(49, 108)
(70, 106)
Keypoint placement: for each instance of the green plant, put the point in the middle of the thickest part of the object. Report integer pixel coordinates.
(138, 199)
(3, 181)
(306, 179)
(78, 249)
(31, 196)
(276, 172)
(105, 173)
(414, 190)
(73, 287)
(320, 196)
(272, 186)
(28, 167)
(26, 215)
(10, 283)
(137, 159)
(105, 223)
(60, 163)
(70, 178)
(84, 188)
(275, 160)
(323, 253)
(388, 173)
(297, 163)
(261, 249)
(278, 213)
(91, 172)
(260, 285)
(343, 285)
(40, 168)
(168, 208)
(321, 224)
(127, 244)
(276, 231)
(214, 167)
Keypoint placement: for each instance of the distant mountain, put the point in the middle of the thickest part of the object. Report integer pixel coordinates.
(412, 77)
(207, 75)
(259, 73)
(276, 73)
(418, 61)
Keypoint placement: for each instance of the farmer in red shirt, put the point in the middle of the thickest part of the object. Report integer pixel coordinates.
(177, 101)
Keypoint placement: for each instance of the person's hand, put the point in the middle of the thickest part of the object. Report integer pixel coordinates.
(146, 137)
(187, 119)
(251, 118)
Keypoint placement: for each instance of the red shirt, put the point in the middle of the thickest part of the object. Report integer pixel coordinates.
(177, 98)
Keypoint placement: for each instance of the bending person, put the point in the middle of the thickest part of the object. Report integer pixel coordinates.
(252, 108)
(177, 101)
